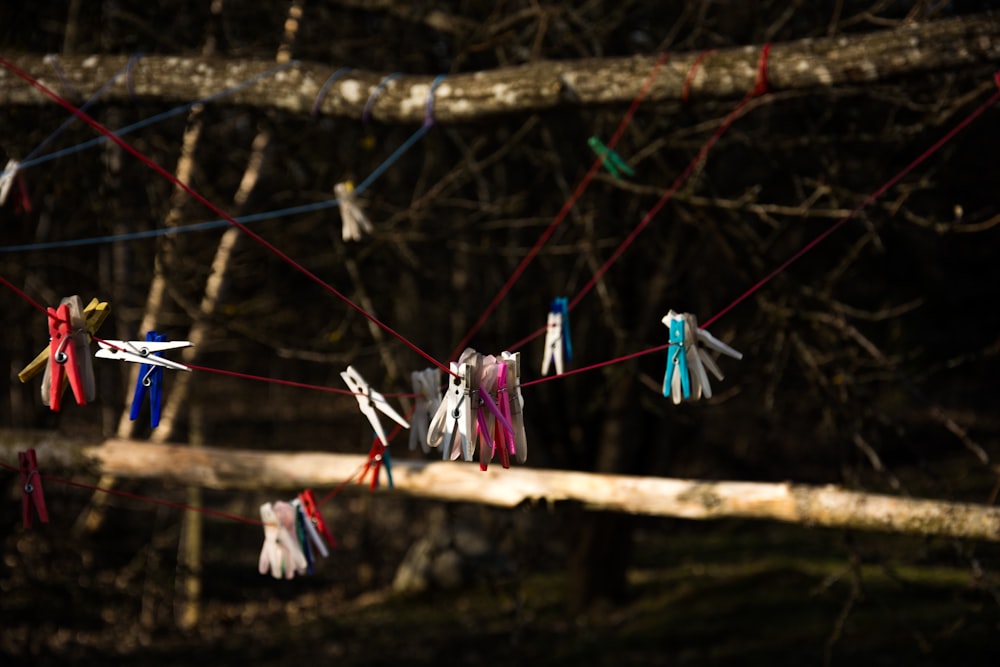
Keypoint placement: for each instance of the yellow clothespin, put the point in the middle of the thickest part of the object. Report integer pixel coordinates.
(94, 315)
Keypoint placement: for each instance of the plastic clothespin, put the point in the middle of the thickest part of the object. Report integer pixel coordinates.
(612, 161)
(308, 501)
(504, 439)
(32, 493)
(69, 356)
(281, 553)
(150, 380)
(685, 376)
(448, 423)
(94, 314)
(513, 362)
(427, 387)
(489, 414)
(308, 534)
(455, 422)
(7, 179)
(377, 456)
(558, 346)
(353, 219)
(369, 401)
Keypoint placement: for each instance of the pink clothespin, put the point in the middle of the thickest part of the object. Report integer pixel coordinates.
(487, 411)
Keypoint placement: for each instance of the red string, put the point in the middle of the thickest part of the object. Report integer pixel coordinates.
(686, 91)
(215, 209)
(879, 192)
(145, 499)
(759, 86)
(564, 211)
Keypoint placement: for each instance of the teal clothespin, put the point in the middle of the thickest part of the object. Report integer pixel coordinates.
(677, 366)
(612, 161)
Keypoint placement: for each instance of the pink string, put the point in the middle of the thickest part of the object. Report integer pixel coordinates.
(563, 212)
(215, 209)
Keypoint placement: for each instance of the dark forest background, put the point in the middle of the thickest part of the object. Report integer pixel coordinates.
(870, 363)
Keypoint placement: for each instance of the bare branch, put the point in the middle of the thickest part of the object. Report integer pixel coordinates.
(962, 42)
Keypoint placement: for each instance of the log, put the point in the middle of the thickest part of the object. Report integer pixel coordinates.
(963, 42)
(215, 468)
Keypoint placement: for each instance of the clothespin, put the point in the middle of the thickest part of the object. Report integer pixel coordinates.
(309, 537)
(558, 346)
(353, 219)
(281, 553)
(69, 356)
(505, 440)
(489, 414)
(94, 315)
(369, 401)
(456, 421)
(308, 501)
(378, 456)
(685, 376)
(513, 362)
(427, 387)
(31, 488)
(612, 161)
(7, 179)
(150, 380)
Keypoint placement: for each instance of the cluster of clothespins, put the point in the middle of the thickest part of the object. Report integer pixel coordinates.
(66, 360)
(294, 533)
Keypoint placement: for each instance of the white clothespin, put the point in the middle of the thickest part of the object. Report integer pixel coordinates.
(352, 217)
(685, 377)
(513, 361)
(558, 348)
(142, 352)
(427, 387)
(312, 533)
(455, 421)
(369, 401)
(277, 555)
(7, 179)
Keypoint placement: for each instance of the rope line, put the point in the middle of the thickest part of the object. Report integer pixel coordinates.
(205, 202)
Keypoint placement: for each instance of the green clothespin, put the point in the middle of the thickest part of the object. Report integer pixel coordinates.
(612, 161)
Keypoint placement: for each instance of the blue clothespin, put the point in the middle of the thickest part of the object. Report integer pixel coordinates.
(150, 380)
(302, 536)
(685, 377)
(676, 379)
(558, 346)
(147, 354)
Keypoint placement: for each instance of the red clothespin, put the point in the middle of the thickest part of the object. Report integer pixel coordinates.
(308, 501)
(68, 355)
(31, 488)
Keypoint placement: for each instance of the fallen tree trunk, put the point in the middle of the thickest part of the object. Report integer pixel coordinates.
(829, 505)
(961, 42)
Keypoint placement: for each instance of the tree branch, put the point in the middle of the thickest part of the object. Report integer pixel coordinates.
(829, 506)
(962, 42)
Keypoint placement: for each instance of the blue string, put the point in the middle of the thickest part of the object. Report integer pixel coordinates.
(326, 87)
(366, 114)
(254, 217)
(72, 119)
(157, 118)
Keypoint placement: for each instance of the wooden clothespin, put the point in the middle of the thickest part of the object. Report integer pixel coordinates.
(31, 488)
